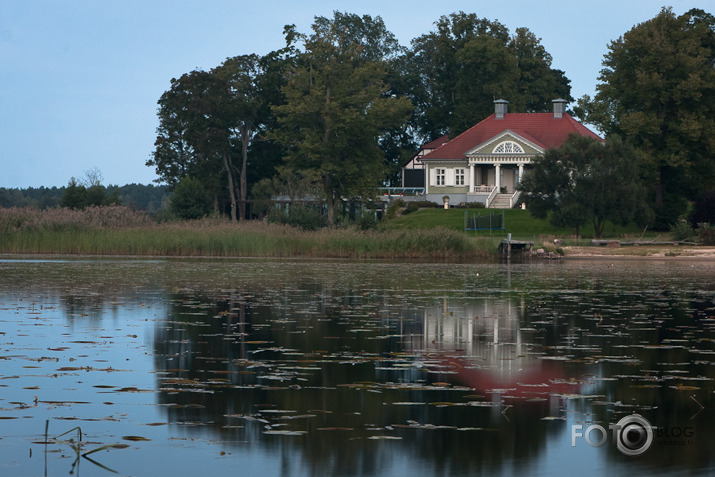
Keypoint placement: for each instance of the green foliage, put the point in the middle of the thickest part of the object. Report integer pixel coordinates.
(414, 206)
(681, 230)
(367, 221)
(208, 121)
(469, 205)
(336, 107)
(585, 181)
(190, 199)
(392, 209)
(455, 72)
(673, 209)
(79, 196)
(75, 195)
(136, 196)
(657, 90)
(706, 233)
(302, 216)
(520, 223)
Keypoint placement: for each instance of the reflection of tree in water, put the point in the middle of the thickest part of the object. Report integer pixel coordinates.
(341, 369)
(654, 347)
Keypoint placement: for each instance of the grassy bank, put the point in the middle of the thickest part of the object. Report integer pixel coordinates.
(518, 222)
(119, 231)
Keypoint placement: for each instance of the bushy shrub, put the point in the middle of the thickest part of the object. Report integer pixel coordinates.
(666, 216)
(706, 233)
(392, 209)
(681, 230)
(301, 216)
(420, 204)
(470, 205)
(367, 221)
(190, 200)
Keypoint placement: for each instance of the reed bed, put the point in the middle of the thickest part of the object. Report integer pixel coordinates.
(119, 231)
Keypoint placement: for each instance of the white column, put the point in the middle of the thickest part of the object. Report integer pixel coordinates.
(497, 177)
(521, 171)
(471, 178)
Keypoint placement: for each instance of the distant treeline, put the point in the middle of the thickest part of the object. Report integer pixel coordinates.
(150, 198)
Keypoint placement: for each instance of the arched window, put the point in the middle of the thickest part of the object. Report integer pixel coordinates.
(508, 147)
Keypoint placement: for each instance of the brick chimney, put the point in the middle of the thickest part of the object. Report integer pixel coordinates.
(500, 108)
(559, 108)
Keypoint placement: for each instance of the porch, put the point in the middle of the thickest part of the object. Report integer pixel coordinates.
(495, 184)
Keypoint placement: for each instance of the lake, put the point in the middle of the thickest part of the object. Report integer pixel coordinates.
(333, 368)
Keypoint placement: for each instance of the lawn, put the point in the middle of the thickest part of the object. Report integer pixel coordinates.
(519, 223)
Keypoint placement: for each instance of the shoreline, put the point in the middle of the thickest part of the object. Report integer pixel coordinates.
(674, 253)
(678, 252)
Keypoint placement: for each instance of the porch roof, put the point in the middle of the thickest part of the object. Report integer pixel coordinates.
(540, 128)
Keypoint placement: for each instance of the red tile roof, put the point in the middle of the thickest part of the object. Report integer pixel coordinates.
(436, 143)
(540, 128)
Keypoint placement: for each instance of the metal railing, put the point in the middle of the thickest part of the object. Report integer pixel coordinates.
(401, 190)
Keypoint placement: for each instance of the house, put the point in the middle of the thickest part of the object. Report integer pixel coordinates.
(413, 174)
(484, 163)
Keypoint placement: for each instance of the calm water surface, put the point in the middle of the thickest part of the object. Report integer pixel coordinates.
(188, 367)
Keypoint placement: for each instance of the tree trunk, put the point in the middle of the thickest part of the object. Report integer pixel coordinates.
(231, 190)
(243, 183)
(598, 224)
(659, 190)
(329, 200)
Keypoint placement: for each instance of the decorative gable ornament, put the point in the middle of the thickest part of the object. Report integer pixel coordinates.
(508, 147)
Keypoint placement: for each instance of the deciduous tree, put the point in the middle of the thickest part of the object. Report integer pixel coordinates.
(586, 181)
(657, 90)
(337, 107)
(458, 70)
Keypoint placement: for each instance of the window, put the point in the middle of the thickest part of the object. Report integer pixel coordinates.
(441, 176)
(459, 176)
(508, 147)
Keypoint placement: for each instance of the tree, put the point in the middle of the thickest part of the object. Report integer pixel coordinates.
(336, 106)
(210, 120)
(88, 192)
(456, 71)
(190, 200)
(586, 181)
(248, 109)
(182, 135)
(657, 91)
(538, 84)
(75, 195)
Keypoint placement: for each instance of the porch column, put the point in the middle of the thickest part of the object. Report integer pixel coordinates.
(471, 178)
(521, 171)
(497, 176)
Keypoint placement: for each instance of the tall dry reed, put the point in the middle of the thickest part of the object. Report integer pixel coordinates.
(120, 231)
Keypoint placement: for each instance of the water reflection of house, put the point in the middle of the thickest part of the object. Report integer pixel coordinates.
(481, 341)
(487, 329)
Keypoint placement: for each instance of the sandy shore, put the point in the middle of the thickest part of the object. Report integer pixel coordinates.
(642, 251)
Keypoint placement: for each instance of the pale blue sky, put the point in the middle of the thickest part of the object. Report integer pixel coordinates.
(79, 79)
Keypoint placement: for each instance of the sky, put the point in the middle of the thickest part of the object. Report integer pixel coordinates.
(80, 79)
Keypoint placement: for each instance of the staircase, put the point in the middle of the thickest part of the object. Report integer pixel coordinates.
(501, 201)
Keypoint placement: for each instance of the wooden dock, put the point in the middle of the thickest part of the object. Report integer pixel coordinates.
(508, 246)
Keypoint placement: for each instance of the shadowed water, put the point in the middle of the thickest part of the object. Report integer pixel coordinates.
(188, 367)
